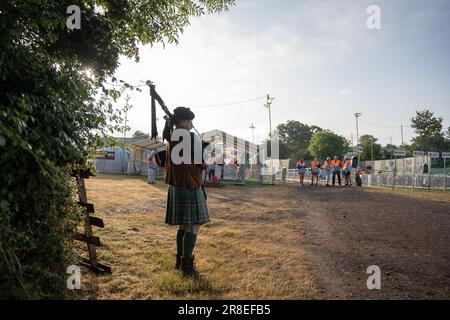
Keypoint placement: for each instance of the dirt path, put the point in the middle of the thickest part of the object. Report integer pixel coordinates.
(408, 237)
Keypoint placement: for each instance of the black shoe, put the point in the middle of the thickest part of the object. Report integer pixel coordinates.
(178, 262)
(188, 267)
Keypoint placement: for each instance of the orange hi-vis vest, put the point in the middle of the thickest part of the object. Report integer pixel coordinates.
(347, 164)
(336, 163)
(315, 164)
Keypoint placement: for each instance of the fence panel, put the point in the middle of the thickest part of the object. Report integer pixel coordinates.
(419, 181)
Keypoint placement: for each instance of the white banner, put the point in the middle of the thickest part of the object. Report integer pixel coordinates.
(445, 155)
(433, 155)
(418, 153)
(400, 153)
(358, 149)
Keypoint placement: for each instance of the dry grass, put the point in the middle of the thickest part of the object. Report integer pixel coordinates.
(252, 249)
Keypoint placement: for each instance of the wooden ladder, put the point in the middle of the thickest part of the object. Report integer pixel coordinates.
(91, 241)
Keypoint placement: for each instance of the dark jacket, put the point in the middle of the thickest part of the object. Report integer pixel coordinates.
(183, 175)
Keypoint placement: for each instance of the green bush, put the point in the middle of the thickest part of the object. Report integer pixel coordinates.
(41, 122)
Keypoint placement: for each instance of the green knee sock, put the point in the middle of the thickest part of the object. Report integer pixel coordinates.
(188, 244)
(180, 235)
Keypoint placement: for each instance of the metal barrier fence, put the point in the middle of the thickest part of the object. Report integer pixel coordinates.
(419, 181)
(385, 179)
(291, 175)
(284, 175)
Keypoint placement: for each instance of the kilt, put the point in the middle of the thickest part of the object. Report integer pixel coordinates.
(186, 206)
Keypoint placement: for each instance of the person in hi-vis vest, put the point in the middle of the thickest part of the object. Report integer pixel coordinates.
(336, 169)
(315, 170)
(347, 169)
(327, 168)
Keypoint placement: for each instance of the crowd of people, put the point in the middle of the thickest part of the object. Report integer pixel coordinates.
(332, 169)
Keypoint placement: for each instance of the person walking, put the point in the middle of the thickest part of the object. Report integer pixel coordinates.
(211, 171)
(152, 168)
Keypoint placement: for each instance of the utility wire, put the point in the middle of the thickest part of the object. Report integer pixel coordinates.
(380, 126)
(229, 103)
(238, 127)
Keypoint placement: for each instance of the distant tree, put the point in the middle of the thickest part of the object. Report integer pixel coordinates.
(426, 124)
(284, 150)
(140, 135)
(387, 152)
(372, 149)
(431, 143)
(327, 143)
(295, 138)
(430, 136)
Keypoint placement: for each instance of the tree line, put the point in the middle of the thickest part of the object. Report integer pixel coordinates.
(299, 140)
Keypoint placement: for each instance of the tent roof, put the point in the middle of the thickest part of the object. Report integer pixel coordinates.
(241, 143)
(149, 144)
(209, 136)
(112, 150)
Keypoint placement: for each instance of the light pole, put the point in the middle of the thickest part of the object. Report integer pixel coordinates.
(357, 115)
(253, 129)
(268, 105)
(401, 131)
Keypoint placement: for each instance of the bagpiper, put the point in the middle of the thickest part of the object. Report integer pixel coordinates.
(186, 200)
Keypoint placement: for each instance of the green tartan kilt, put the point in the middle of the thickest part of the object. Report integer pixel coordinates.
(186, 206)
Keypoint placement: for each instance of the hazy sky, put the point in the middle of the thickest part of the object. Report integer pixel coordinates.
(317, 58)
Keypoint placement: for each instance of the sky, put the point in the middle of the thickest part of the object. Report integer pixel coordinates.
(317, 58)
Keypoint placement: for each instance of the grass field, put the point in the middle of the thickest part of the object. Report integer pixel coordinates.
(261, 243)
(251, 249)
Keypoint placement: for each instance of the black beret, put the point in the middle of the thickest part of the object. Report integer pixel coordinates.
(183, 113)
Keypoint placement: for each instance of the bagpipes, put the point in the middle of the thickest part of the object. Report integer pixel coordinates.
(161, 156)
